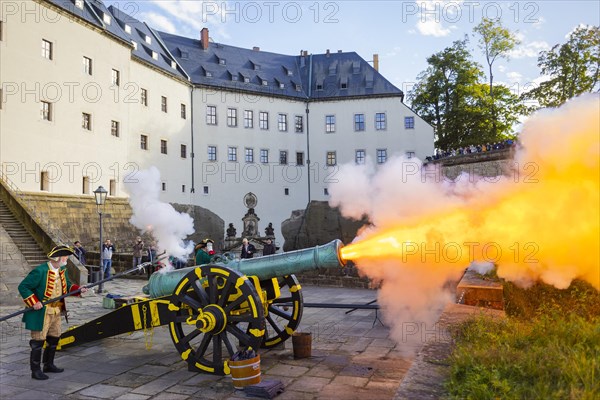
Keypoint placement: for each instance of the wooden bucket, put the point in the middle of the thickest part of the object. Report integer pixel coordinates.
(302, 344)
(245, 372)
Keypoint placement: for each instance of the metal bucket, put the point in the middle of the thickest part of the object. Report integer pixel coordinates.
(302, 344)
(245, 372)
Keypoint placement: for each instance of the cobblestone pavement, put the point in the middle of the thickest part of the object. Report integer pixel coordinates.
(352, 357)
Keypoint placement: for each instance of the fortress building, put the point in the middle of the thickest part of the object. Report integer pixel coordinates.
(90, 94)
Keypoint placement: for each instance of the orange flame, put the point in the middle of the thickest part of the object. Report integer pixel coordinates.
(540, 222)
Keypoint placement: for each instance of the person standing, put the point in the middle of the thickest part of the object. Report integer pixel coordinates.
(107, 252)
(203, 249)
(248, 249)
(46, 281)
(79, 252)
(138, 251)
(269, 248)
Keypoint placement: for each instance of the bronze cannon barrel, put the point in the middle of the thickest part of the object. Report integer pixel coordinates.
(275, 265)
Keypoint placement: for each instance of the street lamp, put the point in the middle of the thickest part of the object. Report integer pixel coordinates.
(100, 197)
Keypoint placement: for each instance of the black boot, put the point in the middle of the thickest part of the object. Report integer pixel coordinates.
(49, 353)
(35, 359)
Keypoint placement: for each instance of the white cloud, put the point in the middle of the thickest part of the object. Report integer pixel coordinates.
(432, 14)
(514, 76)
(531, 49)
(432, 28)
(159, 22)
(195, 15)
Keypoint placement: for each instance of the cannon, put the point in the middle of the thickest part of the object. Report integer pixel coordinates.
(213, 309)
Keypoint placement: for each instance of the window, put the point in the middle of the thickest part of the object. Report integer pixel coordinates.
(410, 154)
(135, 45)
(87, 65)
(143, 142)
(116, 77)
(1, 29)
(85, 185)
(264, 156)
(44, 181)
(286, 191)
(232, 117)
(211, 115)
(86, 121)
(114, 128)
(148, 39)
(164, 186)
(359, 122)
(359, 157)
(319, 86)
(205, 189)
(249, 155)
(79, 4)
(326, 191)
(283, 157)
(248, 119)
(112, 187)
(380, 121)
(183, 151)
(381, 156)
(331, 159)
(329, 123)
(163, 146)
(163, 103)
(46, 110)
(299, 158)
(182, 188)
(47, 49)
(212, 153)
(183, 112)
(263, 120)
(282, 122)
(232, 154)
(299, 124)
(1, 98)
(409, 122)
(154, 55)
(127, 28)
(144, 98)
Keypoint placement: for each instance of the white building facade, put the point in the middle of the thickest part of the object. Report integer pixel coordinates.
(90, 94)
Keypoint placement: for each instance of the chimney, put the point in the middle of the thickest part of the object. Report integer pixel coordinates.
(327, 53)
(305, 53)
(256, 48)
(376, 62)
(204, 38)
(339, 51)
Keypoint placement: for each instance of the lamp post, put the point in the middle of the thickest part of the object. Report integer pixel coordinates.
(100, 197)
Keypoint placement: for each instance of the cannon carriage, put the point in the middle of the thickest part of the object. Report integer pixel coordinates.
(212, 310)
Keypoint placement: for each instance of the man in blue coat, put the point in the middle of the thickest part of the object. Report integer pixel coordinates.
(46, 281)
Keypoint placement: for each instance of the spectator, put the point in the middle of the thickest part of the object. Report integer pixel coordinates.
(79, 252)
(269, 248)
(248, 249)
(107, 252)
(138, 251)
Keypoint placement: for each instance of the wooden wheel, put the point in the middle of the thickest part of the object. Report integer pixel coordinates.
(214, 308)
(283, 320)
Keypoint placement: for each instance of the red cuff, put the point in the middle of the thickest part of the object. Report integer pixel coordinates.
(31, 300)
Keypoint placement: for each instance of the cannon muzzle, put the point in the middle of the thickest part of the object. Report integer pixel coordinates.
(272, 266)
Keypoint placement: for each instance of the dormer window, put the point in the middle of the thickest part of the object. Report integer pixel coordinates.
(298, 87)
(369, 82)
(246, 79)
(207, 73)
(234, 77)
(155, 55)
(319, 86)
(148, 39)
(79, 4)
(264, 82)
(127, 28)
(255, 66)
(344, 83)
(222, 61)
(184, 54)
(134, 43)
(173, 65)
(281, 85)
(106, 18)
(355, 67)
(290, 73)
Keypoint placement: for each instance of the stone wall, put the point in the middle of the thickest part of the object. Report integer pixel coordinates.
(495, 163)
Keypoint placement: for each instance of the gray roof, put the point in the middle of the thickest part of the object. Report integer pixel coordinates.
(319, 76)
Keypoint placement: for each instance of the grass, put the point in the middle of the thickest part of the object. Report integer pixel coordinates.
(548, 348)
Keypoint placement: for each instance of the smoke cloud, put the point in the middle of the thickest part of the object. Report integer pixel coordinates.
(168, 226)
(540, 221)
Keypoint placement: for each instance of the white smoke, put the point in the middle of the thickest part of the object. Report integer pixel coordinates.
(168, 226)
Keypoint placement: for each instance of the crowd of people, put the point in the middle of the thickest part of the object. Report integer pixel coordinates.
(480, 148)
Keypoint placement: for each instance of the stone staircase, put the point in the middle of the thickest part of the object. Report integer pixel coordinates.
(22, 239)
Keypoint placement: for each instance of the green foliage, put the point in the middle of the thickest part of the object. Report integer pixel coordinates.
(572, 68)
(550, 349)
(450, 97)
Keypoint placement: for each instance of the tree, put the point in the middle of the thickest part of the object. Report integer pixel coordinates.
(495, 41)
(450, 96)
(572, 68)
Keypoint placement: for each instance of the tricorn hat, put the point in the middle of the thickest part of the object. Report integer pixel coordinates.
(60, 251)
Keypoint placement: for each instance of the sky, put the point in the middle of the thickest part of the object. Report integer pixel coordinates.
(402, 33)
